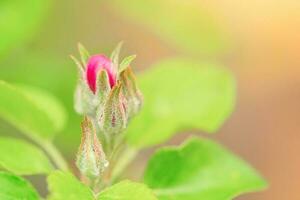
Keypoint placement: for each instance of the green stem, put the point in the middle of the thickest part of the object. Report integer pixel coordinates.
(125, 159)
(55, 155)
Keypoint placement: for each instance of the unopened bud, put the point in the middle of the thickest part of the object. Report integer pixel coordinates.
(95, 64)
(107, 92)
(112, 118)
(131, 92)
(97, 75)
(91, 160)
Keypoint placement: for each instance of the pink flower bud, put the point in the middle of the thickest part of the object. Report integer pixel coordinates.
(94, 65)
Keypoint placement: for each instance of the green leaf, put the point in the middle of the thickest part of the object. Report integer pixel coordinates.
(22, 158)
(15, 188)
(64, 186)
(200, 169)
(19, 20)
(47, 103)
(126, 62)
(184, 24)
(27, 70)
(181, 94)
(28, 113)
(127, 190)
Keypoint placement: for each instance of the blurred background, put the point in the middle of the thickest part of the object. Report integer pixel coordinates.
(258, 40)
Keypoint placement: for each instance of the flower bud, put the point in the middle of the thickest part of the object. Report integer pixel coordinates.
(131, 92)
(95, 81)
(107, 92)
(91, 160)
(112, 118)
(95, 64)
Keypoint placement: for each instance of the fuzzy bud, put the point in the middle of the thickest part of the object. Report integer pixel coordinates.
(97, 75)
(112, 118)
(91, 160)
(134, 97)
(107, 92)
(95, 64)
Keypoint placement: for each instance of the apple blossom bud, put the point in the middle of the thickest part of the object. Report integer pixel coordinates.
(107, 92)
(95, 81)
(131, 92)
(112, 118)
(94, 65)
(91, 160)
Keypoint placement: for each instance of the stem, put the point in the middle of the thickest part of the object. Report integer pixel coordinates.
(55, 155)
(52, 151)
(125, 159)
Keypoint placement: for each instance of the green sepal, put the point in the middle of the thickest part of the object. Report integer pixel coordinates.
(126, 63)
(103, 87)
(115, 55)
(78, 64)
(84, 54)
(85, 101)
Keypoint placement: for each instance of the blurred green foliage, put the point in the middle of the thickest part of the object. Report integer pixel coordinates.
(19, 20)
(57, 76)
(47, 103)
(181, 94)
(23, 158)
(22, 112)
(184, 24)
